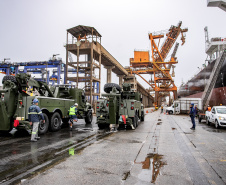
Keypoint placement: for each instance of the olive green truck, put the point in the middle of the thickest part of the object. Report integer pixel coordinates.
(119, 107)
(54, 102)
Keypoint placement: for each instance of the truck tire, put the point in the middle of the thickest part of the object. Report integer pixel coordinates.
(10, 78)
(43, 127)
(135, 121)
(207, 121)
(102, 126)
(137, 117)
(89, 117)
(55, 122)
(108, 87)
(142, 116)
(65, 122)
(217, 124)
(170, 112)
(200, 119)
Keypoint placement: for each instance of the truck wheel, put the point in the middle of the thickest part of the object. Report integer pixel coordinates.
(135, 120)
(142, 116)
(101, 126)
(170, 112)
(43, 127)
(89, 117)
(108, 87)
(207, 121)
(217, 124)
(65, 122)
(55, 122)
(10, 78)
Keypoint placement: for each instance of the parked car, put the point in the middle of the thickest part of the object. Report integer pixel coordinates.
(217, 115)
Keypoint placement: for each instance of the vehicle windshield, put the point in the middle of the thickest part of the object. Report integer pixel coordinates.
(221, 110)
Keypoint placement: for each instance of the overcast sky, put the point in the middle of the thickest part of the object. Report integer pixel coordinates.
(34, 30)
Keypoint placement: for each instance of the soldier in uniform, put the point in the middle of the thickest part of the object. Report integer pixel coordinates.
(34, 116)
(73, 114)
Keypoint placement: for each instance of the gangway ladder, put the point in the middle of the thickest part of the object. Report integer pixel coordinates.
(212, 80)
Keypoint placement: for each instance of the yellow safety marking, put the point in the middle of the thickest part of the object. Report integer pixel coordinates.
(223, 160)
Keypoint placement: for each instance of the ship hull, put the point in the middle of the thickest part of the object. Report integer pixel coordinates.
(218, 96)
(194, 88)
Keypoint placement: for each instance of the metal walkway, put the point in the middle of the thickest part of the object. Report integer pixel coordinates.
(213, 78)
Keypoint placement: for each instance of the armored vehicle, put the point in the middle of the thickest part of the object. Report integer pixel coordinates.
(102, 112)
(131, 108)
(119, 107)
(54, 103)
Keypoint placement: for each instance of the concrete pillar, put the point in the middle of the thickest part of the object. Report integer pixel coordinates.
(156, 98)
(120, 79)
(91, 74)
(169, 100)
(109, 70)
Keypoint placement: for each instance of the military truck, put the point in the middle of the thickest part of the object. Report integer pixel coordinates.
(119, 107)
(54, 103)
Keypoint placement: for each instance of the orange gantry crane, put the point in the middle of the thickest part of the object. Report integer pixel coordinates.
(162, 84)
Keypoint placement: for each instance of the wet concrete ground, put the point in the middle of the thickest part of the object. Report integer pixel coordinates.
(21, 158)
(162, 150)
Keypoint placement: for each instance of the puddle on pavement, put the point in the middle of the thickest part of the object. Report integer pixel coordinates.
(211, 128)
(159, 123)
(83, 129)
(151, 168)
(125, 176)
(134, 141)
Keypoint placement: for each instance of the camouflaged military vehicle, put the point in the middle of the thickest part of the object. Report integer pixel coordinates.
(119, 107)
(54, 103)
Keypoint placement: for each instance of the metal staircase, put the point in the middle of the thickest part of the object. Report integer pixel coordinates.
(213, 78)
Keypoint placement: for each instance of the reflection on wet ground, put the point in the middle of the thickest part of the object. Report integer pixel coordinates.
(211, 127)
(19, 155)
(151, 168)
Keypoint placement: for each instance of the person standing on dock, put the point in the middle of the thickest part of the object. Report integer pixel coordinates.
(73, 114)
(34, 115)
(192, 115)
(196, 111)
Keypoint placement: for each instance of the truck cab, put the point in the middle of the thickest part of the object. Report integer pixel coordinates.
(173, 109)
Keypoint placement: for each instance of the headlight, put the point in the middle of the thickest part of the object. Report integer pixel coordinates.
(222, 118)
